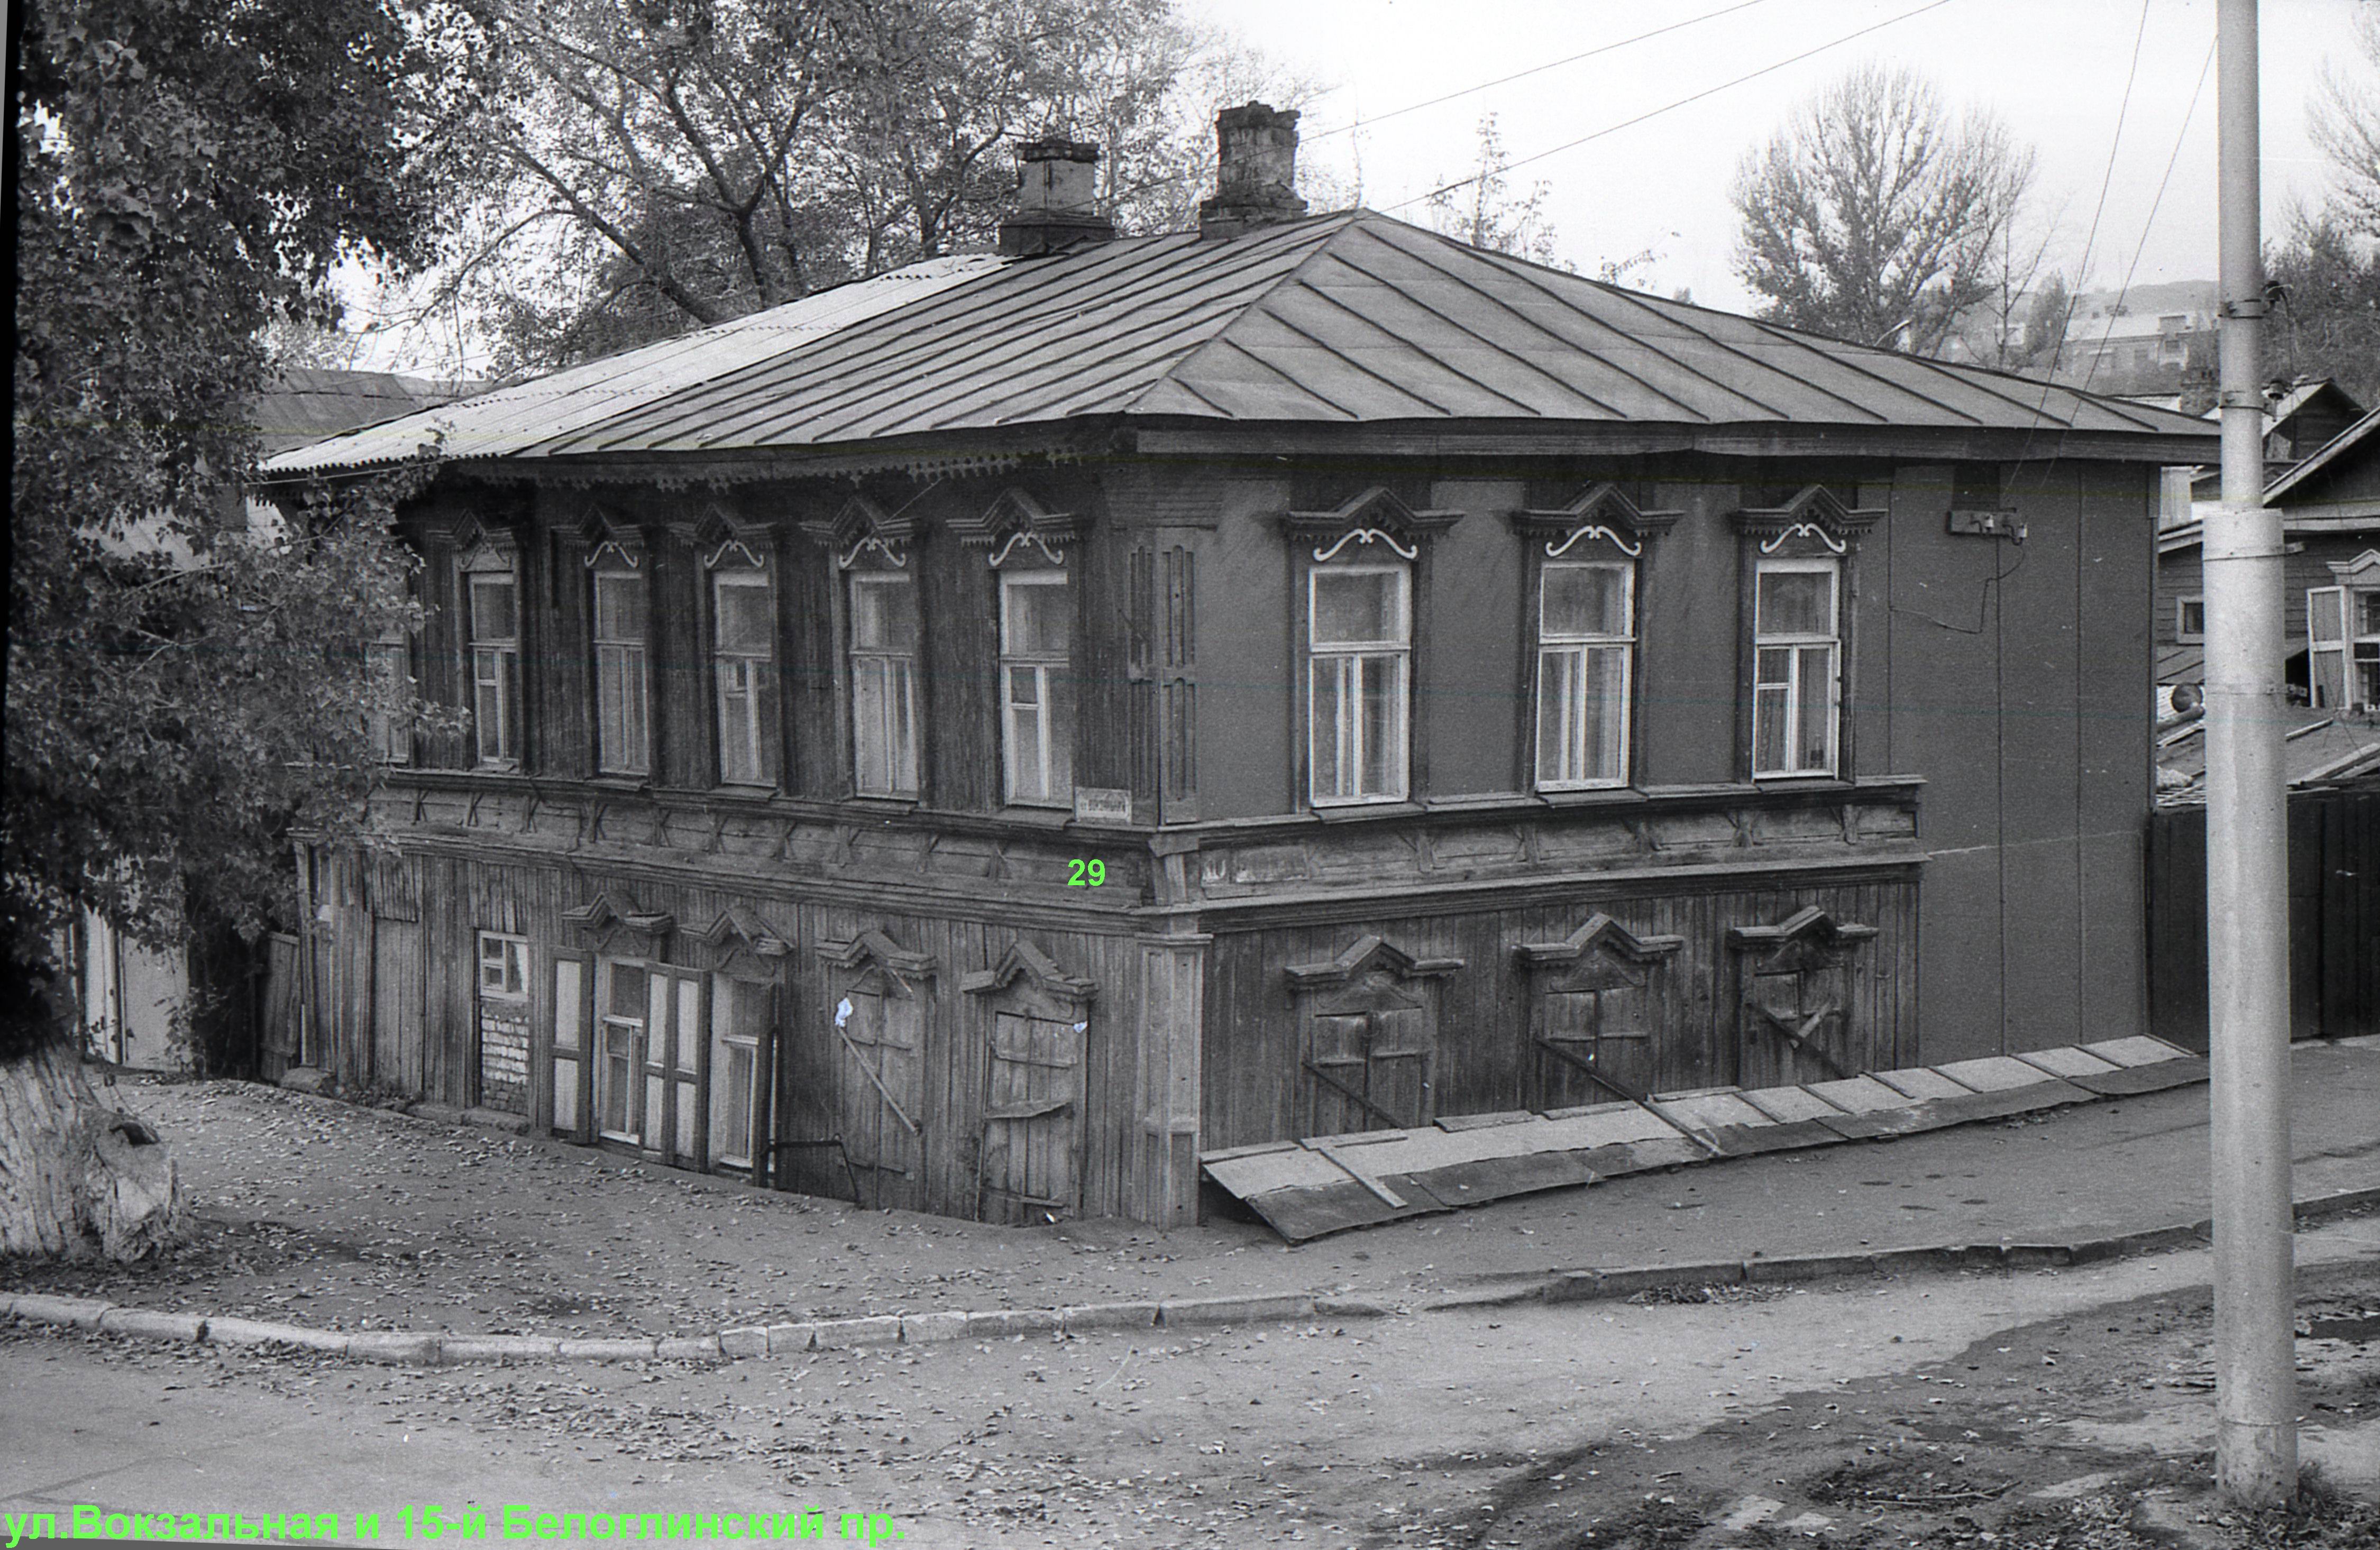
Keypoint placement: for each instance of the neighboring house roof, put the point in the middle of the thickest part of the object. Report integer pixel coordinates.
(2322, 746)
(2294, 486)
(307, 403)
(1340, 319)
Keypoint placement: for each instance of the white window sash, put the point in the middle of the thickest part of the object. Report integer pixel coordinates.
(1036, 770)
(1346, 667)
(1789, 693)
(2334, 689)
(1573, 654)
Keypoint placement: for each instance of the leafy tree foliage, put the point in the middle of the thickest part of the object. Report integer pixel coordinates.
(178, 692)
(1875, 217)
(1486, 213)
(2328, 322)
(668, 163)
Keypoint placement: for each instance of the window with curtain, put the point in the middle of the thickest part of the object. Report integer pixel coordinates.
(1797, 667)
(1586, 626)
(742, 655)
(1037, 688)
(622, 746)
(493, 616)
(883, 684)
(1359, 658)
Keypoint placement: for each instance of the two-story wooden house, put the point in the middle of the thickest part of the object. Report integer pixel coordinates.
(986, 735)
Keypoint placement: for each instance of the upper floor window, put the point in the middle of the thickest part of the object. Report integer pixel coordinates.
(1359, 682)
(2190, 618)
(622, 744)
(390, 725)
(1586, 629)
(2343, 628)
(491, 610)
(1037, 687)
(883, 684)
(742, 656)
(1797, 667)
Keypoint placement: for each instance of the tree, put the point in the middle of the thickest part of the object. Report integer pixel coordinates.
(2346, 125)
(2328, 322)
(178, 694)
(1873, 216)
(1485, 213)
(669, 163)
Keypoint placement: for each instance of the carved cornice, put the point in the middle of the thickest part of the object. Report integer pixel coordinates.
(478, 546)
(860, 525)
(1366, 953)
(1378, 516)
(608, 909)
(872, 946)
(1809, 924)
(737, 924)
(1602, 513)
(612, 540)
(1816, 513)
(2362, 571)
(1025, 959)
(1015, 519)
(1599, 934)
(725, 537)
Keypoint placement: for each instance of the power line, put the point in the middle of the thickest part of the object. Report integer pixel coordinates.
(1672, 107)
(2082, 274)
(2125, 289)
(1533, 71)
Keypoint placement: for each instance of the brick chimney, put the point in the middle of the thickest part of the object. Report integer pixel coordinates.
(1057, 200)
(1255, 172)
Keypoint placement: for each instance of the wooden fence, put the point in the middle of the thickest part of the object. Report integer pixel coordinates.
(2334, 917)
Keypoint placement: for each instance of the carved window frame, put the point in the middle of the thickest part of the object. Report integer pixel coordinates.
(1373, 533)
(1815, 532)
(1602, 528)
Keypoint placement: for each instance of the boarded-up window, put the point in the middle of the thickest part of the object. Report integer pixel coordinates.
(879, 1026)
(1032, 1118)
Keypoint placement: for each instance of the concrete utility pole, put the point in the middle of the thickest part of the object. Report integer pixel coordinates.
(2247, 859)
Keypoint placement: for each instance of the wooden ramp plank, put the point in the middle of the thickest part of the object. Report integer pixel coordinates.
(1993, 1073)
(2138, 1051)
(2154, 1078)
(1476, 1184)
(2066, 1060)
(1861, 1095)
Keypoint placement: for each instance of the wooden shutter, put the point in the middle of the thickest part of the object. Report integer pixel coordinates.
(2327, 647)
(569, 1042)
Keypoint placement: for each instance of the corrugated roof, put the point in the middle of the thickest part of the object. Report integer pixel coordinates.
(1344, 319)
(305, 403)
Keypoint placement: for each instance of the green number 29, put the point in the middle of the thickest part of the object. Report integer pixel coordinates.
(1086, 874)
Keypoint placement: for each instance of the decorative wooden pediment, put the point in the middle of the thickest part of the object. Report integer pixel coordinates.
(609, 910)
(1603, 515)
(1808, 936)
(738, 926)
(860, 526)
(1376, 517)
(2362, 571)
(871, 946)
(611, 540)
(1600, 935)
(479, 547)
(1365, 955)
(727, 537)
(1015, 519)
(1023, 959)
(1817, 514)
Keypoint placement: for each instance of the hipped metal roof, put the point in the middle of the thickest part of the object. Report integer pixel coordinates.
(1343, 319)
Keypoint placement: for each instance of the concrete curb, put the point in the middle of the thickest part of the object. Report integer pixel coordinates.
(424, 1348)
(1596, 1285)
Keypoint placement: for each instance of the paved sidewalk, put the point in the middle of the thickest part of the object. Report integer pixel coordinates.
(320, 1215)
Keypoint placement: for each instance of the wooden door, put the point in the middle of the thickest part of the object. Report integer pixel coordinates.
(670, 1123)
(1032, 1120)
(396, 1060)
(1368, 1058)
(1797, 1019)
(879, 1026)
(1593, 1039)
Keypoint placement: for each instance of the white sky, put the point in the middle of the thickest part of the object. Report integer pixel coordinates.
(2053, 70)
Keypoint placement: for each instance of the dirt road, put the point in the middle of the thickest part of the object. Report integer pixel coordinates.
(1922, 1410)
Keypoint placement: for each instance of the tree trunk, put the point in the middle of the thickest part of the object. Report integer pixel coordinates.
(79, 1180)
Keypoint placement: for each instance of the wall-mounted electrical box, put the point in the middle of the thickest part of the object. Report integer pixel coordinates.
(1986, 524)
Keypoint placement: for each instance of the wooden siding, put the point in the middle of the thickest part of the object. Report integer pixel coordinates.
(1486, 1059)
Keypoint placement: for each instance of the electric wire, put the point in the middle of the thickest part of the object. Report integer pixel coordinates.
(1670, 108)
(1361, 122)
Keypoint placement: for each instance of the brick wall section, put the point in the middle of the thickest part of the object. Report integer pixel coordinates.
(503, 1055)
